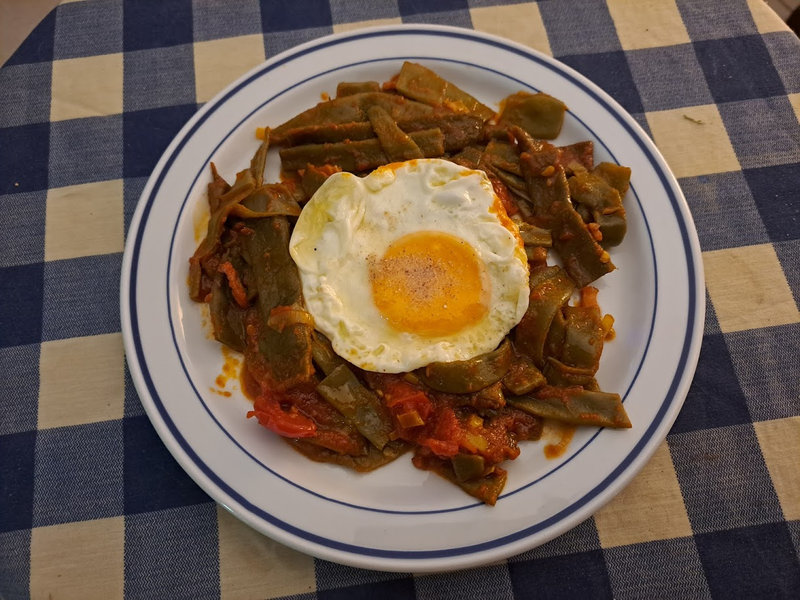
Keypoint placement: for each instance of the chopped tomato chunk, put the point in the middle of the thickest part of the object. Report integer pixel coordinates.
(288, 423)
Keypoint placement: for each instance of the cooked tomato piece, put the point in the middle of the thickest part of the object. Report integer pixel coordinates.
(288, 423)
(401, 397)
(333, 430)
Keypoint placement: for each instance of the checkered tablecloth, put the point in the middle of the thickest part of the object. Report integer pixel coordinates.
(91, 503)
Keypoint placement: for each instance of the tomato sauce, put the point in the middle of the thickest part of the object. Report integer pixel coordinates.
(564, 433)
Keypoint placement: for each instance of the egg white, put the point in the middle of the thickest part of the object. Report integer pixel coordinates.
(350, 219)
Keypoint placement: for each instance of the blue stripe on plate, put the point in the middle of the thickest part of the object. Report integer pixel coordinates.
(236, 442)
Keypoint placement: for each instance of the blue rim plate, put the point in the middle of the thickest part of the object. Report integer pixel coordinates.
(399, 518)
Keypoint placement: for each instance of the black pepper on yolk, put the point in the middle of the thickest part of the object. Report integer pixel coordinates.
(430, 284)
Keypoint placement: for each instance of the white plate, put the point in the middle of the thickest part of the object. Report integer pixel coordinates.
(399, 518)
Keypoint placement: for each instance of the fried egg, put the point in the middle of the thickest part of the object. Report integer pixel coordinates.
(417, 262)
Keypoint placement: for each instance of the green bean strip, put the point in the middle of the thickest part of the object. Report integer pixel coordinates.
(550, 289)
(313, 177)
(395, 143)
(554, 344)
(326, 133)
(356, 157)
(244, 185)
(579, 154)
(227, 319)
(323, 354)
(535, 236)
(469, 157)
(513, 182)
(269, 200)
(576, 406)
(370, 461)
(541, 115)
(502, 154)
(217, 187)
(467, 467)
(422, 84)
(584, 259)
(459, 130)
(468, 376)
(604, 203)
(285, 356)
(486, 489)
(583, 341)
(617, 176)
(350, 88)
(259, 161)
(358, 405)
(537, 165)
(523, 376)
(562, 375)
(351, 109)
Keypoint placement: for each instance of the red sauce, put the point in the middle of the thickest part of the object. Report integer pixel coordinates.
(230, 371)
(558, 449)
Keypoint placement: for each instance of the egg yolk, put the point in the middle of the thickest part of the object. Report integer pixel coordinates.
(431, 284)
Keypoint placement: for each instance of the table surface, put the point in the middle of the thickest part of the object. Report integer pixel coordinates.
(91, 503)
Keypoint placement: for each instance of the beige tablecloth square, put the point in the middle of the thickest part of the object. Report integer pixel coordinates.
(748, 288)
(649, 508)
(648, 23)
(219, 62)
(518, 22)
(82, 220)
(254, 566)
(86, 87)
(78, 560)
(81, 381)
(780, 445)
(693, 140)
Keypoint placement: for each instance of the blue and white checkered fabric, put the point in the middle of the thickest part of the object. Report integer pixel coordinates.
(91, 503)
